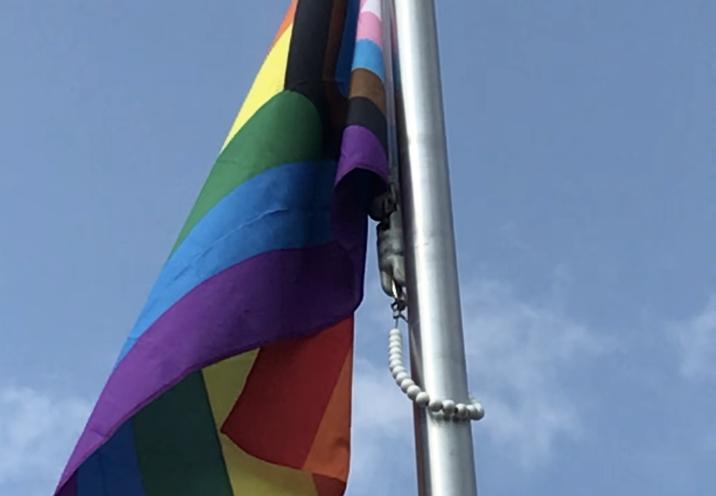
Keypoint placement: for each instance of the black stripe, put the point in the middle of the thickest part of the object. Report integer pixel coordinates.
(363, 112)
(307, 53)
(316, 24)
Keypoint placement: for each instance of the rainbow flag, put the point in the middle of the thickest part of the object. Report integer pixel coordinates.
(236, 379)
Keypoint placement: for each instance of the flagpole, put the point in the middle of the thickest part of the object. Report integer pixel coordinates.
(444, 452)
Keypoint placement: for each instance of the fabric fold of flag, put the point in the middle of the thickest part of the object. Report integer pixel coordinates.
(236, 379)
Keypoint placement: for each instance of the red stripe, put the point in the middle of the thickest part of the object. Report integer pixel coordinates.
(278, 414)
(327, 486)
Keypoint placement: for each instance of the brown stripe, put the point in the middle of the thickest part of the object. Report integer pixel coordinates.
(366, 84)
(335, 37)
(336, 102)
(317, 35)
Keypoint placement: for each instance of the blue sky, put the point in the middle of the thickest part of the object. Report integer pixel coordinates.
(582, 158)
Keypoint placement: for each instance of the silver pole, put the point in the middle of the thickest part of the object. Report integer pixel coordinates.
(444, 451)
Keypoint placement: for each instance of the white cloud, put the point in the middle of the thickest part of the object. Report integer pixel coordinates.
(696, 338)
(382, 458)
(37, 433)
(518, 355)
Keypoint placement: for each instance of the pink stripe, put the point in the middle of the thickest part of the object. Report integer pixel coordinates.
(369, 28)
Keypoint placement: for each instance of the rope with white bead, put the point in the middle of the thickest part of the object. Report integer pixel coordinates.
(448, 408)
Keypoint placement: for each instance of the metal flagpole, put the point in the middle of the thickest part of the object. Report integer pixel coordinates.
(444, 451)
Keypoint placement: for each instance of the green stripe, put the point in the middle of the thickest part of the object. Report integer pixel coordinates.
(178, 449)
(286, 129)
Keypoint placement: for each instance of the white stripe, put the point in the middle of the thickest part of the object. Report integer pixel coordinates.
(372, 6)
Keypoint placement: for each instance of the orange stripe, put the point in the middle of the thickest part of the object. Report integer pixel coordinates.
(287, 21)
(330, 453)
(248, 475)
(286, 395)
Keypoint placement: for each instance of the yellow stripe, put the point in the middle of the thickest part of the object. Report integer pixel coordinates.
(268, 83)
(248, 475)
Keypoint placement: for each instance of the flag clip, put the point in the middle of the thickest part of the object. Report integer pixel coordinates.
(391, 251)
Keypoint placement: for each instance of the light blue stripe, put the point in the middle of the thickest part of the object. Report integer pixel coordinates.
(369, 56)
(282, 208)
(112, 470)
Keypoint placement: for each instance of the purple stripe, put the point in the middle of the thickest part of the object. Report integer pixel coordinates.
(362, 150)
(272, 296)
(69, 489)
(279, 294)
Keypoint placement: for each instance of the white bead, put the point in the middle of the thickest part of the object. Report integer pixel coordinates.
(395, 355)
(406, 383)
(394, 331)
(435, 405)
(461, 411)
(400, 376)
(413, 392)
(449, 407)
(395, 362)
(397, 370)
(475, 411)
(423, 399)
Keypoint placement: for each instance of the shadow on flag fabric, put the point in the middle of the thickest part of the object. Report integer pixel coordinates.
(236, 379)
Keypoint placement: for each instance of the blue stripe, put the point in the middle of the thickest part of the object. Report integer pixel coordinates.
(89, 477)
(112, 470)
(369, 56)
(282, 208)
(345, 56)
